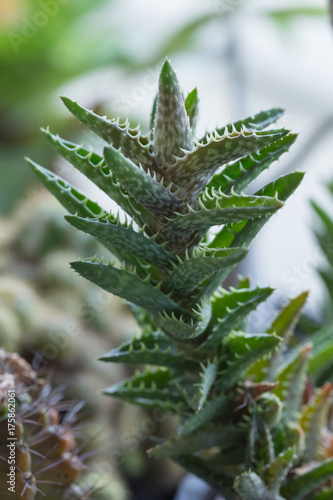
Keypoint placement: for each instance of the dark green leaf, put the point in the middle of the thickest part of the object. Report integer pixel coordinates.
(153, 388)
(133, 145)
(126, 285)
(114, 235)
(72, 199)
(298, 487)
(151, 349)
(144, 189)
(238, 175)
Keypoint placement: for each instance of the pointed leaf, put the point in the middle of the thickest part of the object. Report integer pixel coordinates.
(193, 170)
(207, 379)
(94, 168)
(187, 332)
(321, 360)
(242, 233)
(192, 108)
(323, 237)
(242, 350)
(292, 377)
(298, 487)
(72, 199)
(151, 349)
(219, 405)
(322, 336)
(259, 121)
(224, 436)
(126, 285)
(133, 145)
(113, 234)
(222, 210)
(265, 452)
(152, 116)
(313, 419)
(172, 131)
(144, 189)
(190, 273)
(324, 217)
(327, 277)
(153, 388)
(238, 175)
(232, 306)
(230, 309)
(283, 326)
(277, 470)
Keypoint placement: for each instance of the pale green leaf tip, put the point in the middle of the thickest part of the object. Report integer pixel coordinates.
(67, 102)
(31, 163)
(65, 99)
(168, 76)
(193, 95)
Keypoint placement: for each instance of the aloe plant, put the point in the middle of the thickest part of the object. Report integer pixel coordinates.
(237, 394)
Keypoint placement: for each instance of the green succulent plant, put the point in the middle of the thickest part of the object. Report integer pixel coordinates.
(238, 395)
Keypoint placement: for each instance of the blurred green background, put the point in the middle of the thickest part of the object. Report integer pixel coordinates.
(45, 46)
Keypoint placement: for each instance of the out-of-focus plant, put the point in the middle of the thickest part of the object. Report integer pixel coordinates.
(288, 15)
(324, 238)
(38, 53)
(41, 450)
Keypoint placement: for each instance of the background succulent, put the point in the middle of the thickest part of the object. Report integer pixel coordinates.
(238, 395)
(50, 453)
(324, 236)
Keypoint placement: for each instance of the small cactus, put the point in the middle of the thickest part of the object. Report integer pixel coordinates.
(245, 425)
(43, 459)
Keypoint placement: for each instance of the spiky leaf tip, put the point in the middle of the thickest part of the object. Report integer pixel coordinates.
(172, 130)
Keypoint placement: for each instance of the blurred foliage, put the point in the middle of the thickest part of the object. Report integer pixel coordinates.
(324, 236)
(38, 51)
(182, 39)
(44, 43)
(287, 16)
